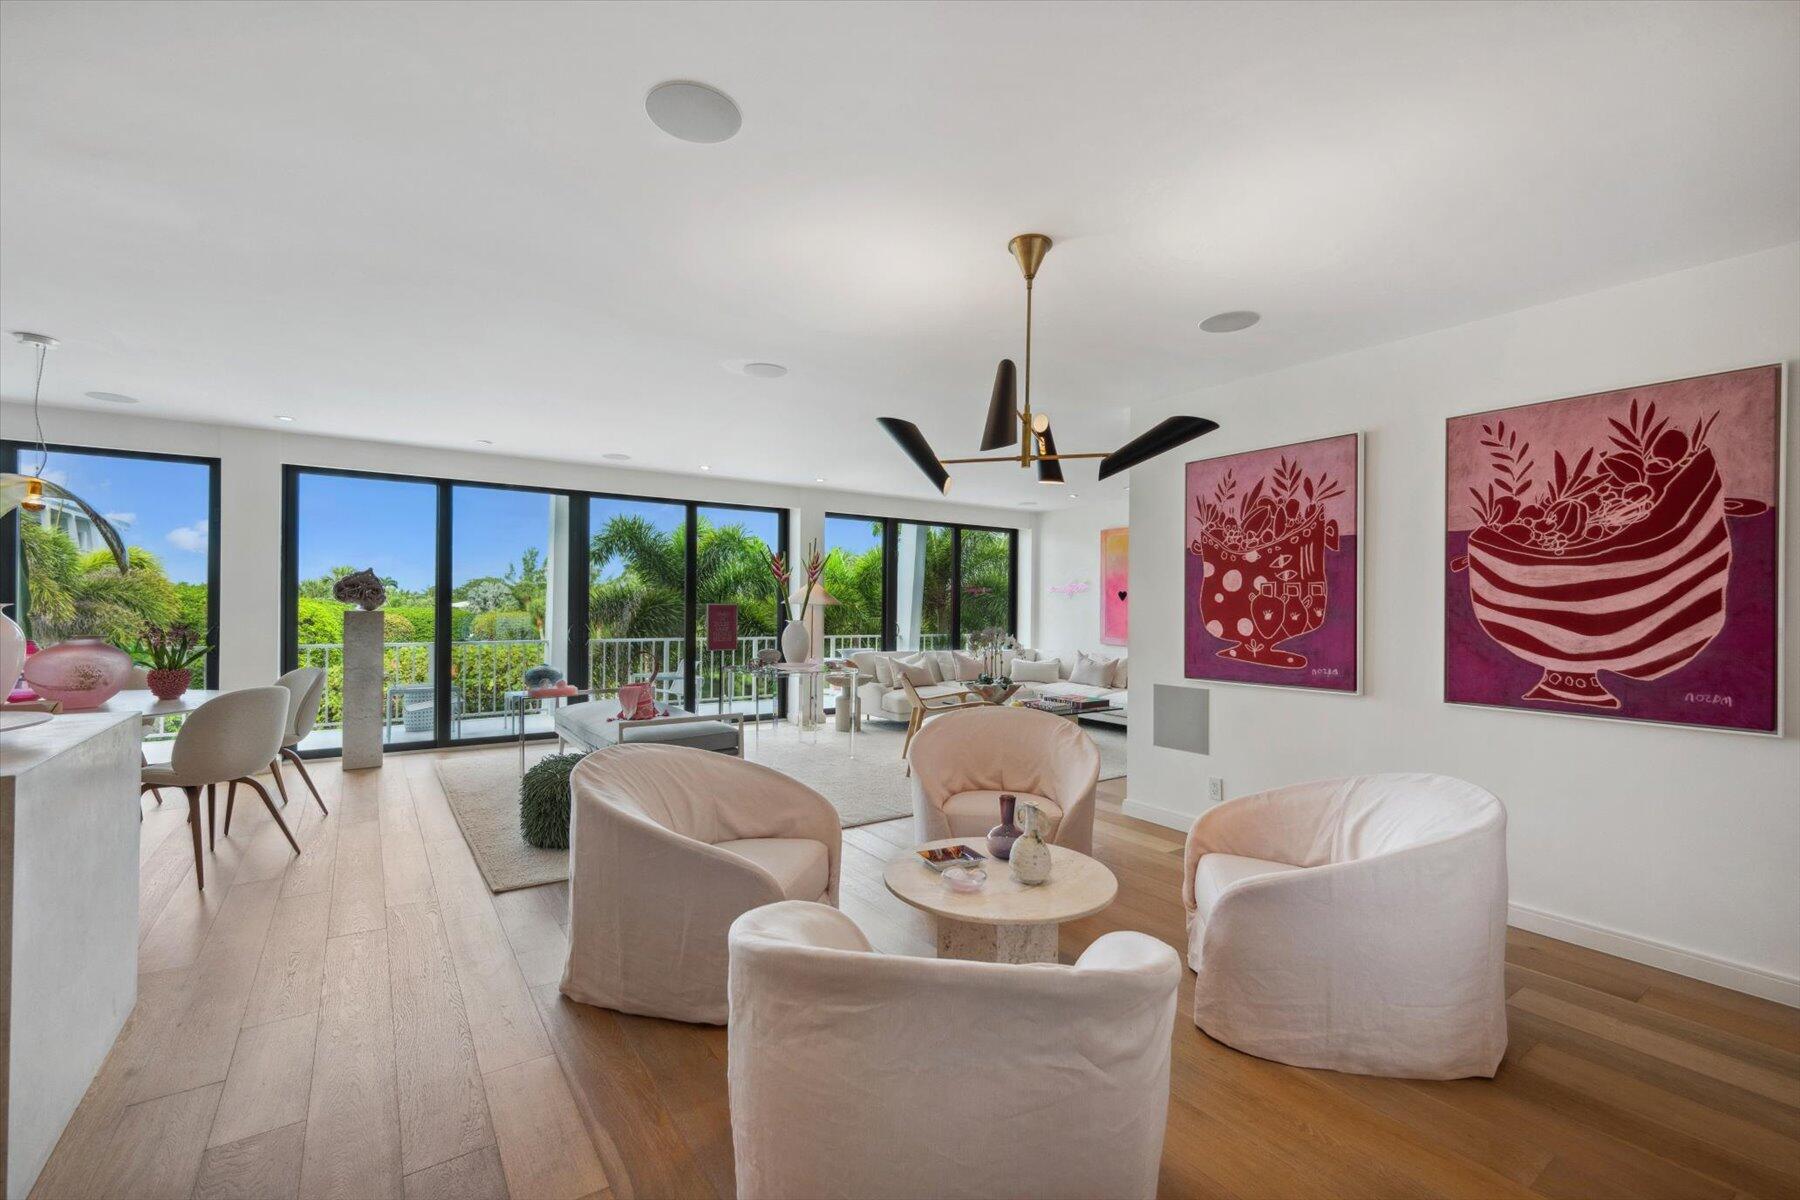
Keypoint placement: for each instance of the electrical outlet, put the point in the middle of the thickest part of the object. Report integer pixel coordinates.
(1215, 789)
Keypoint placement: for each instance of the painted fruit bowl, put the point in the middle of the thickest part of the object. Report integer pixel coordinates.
(1639, 596)
(1265, 593)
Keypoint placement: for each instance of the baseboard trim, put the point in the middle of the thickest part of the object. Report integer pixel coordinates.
(1754, 981)
(1782, 989)
(1156, 814)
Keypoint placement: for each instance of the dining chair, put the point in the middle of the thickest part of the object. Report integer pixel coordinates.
(304, 684)
(226, 740)
(137, 679)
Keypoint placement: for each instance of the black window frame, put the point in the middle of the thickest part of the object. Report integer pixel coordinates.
(15, 588)
(580, 537)
(890, 616)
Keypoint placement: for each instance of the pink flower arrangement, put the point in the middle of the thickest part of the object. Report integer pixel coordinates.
(815, 570)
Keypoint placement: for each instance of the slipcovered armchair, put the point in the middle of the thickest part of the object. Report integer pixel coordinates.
(1353, 924)
(961, 764)
(667, 846)
(856, 1074)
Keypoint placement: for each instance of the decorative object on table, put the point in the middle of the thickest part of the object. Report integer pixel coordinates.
(768, 657)
(364, 703)
(79, 672)
(169, 654)
(362, 588)
(1030, 857)
(1071, 589)
(1273, 567)
(1026, 435)
(541, 676)
(1001, 837)
(637, 702)
(12, 652)
(32, 493)
(1115, 573)
(1632, 533)
(993, 691)
(996, 648)
(965, 879)
(942, 858)
(796, 638)
(721, 627)
(544, 801)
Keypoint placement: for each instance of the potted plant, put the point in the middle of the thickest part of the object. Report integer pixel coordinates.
(169, 653)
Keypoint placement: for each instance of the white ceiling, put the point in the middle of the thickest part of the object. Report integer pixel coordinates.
(439, 223)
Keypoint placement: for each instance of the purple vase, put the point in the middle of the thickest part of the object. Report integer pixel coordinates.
(1002, 836)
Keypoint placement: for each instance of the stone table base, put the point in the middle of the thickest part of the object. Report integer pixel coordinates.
(997, 943)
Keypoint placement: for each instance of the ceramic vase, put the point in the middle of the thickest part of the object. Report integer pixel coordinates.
(170, 684)
(1001, 837)
(796, 642)
(1030, 856)
(12, 652)
(79, 673)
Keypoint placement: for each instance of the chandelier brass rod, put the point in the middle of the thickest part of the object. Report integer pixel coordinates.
(1009, 460)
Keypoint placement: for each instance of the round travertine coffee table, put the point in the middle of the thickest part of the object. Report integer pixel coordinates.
(1005, 921)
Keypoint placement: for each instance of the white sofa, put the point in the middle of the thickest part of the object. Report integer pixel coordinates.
(883, 699)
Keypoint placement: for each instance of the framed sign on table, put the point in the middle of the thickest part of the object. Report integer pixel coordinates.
(721, 627)
(1618, 555)
(1273, 573)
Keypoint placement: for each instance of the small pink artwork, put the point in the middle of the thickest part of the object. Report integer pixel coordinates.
(1272, 574)
(1618, 554)
(1115, 586)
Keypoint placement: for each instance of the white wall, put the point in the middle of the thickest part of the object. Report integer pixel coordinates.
(250, 503)
(1069, 550)
(1673, 846)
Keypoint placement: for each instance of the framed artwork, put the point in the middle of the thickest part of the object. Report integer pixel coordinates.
(1273, 566)
(1617, 555)
(1115, 592)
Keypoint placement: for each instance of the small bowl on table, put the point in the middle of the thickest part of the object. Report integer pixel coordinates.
(964, 879)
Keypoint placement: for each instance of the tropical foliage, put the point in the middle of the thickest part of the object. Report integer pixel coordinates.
(75, 593)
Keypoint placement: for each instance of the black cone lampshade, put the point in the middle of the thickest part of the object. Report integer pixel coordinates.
(917, 449)
(1049, 470)
(1003, 409)
(1160, 438)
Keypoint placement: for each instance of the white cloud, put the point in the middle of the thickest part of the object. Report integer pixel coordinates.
(121, 519)
(59, 478)
(191, 538)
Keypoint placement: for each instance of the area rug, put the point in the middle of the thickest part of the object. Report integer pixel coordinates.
(483, 790)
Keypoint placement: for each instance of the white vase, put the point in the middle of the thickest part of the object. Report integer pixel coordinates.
(796, 642)
(1030, 857)
(12, 653)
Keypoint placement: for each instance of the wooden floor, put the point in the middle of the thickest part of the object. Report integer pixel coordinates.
(368, 1021)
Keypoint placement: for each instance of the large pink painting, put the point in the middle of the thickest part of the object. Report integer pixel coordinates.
(1272, 568)
(1617, 554)
(1115, 586)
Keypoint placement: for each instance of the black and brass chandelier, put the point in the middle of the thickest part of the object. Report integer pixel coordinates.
(1011, 424)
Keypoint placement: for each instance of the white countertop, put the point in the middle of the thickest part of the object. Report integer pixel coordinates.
(22, 750)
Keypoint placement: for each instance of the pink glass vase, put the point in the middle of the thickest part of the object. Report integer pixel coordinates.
(80, 673)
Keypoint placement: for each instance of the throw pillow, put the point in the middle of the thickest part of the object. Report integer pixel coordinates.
(1121, 675)
(968, 667)
(925, 659)
(1091, 671)
(913, 671)
(865, 661)
(1026, 671)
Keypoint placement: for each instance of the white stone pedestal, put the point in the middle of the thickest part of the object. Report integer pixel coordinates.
(364, 677)
(997, 943)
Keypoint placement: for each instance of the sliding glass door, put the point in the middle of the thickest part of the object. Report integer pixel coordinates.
(732, 546)
(637, 594)
(907, 585)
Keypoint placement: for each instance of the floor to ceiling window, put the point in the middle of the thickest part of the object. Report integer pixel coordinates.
(732, 546)
(637, 594)
(59, 577)
(340, 523)
(854, 576)
(509, 601)
(907, 585)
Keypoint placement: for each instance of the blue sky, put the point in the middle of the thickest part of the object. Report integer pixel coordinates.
(160, 506)
(852, 535)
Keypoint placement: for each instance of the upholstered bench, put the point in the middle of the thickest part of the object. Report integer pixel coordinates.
(596, 726)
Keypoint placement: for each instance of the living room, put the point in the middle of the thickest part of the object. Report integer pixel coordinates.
(1217, 570)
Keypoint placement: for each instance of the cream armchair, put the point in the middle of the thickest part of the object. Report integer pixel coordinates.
(1353, 924)
(856, 1074)
(667, 846)
(961, 765)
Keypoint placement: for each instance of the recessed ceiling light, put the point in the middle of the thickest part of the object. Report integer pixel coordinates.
(1074, 496)
(1230, 322)
(818, 479)
(692, 111)
(764, 370)
(485, 441)
(615, 456)
(113, 397)
(285, 420)
(704, 467)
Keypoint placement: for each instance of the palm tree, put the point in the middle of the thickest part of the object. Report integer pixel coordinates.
(73, 593)
(647, 597)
